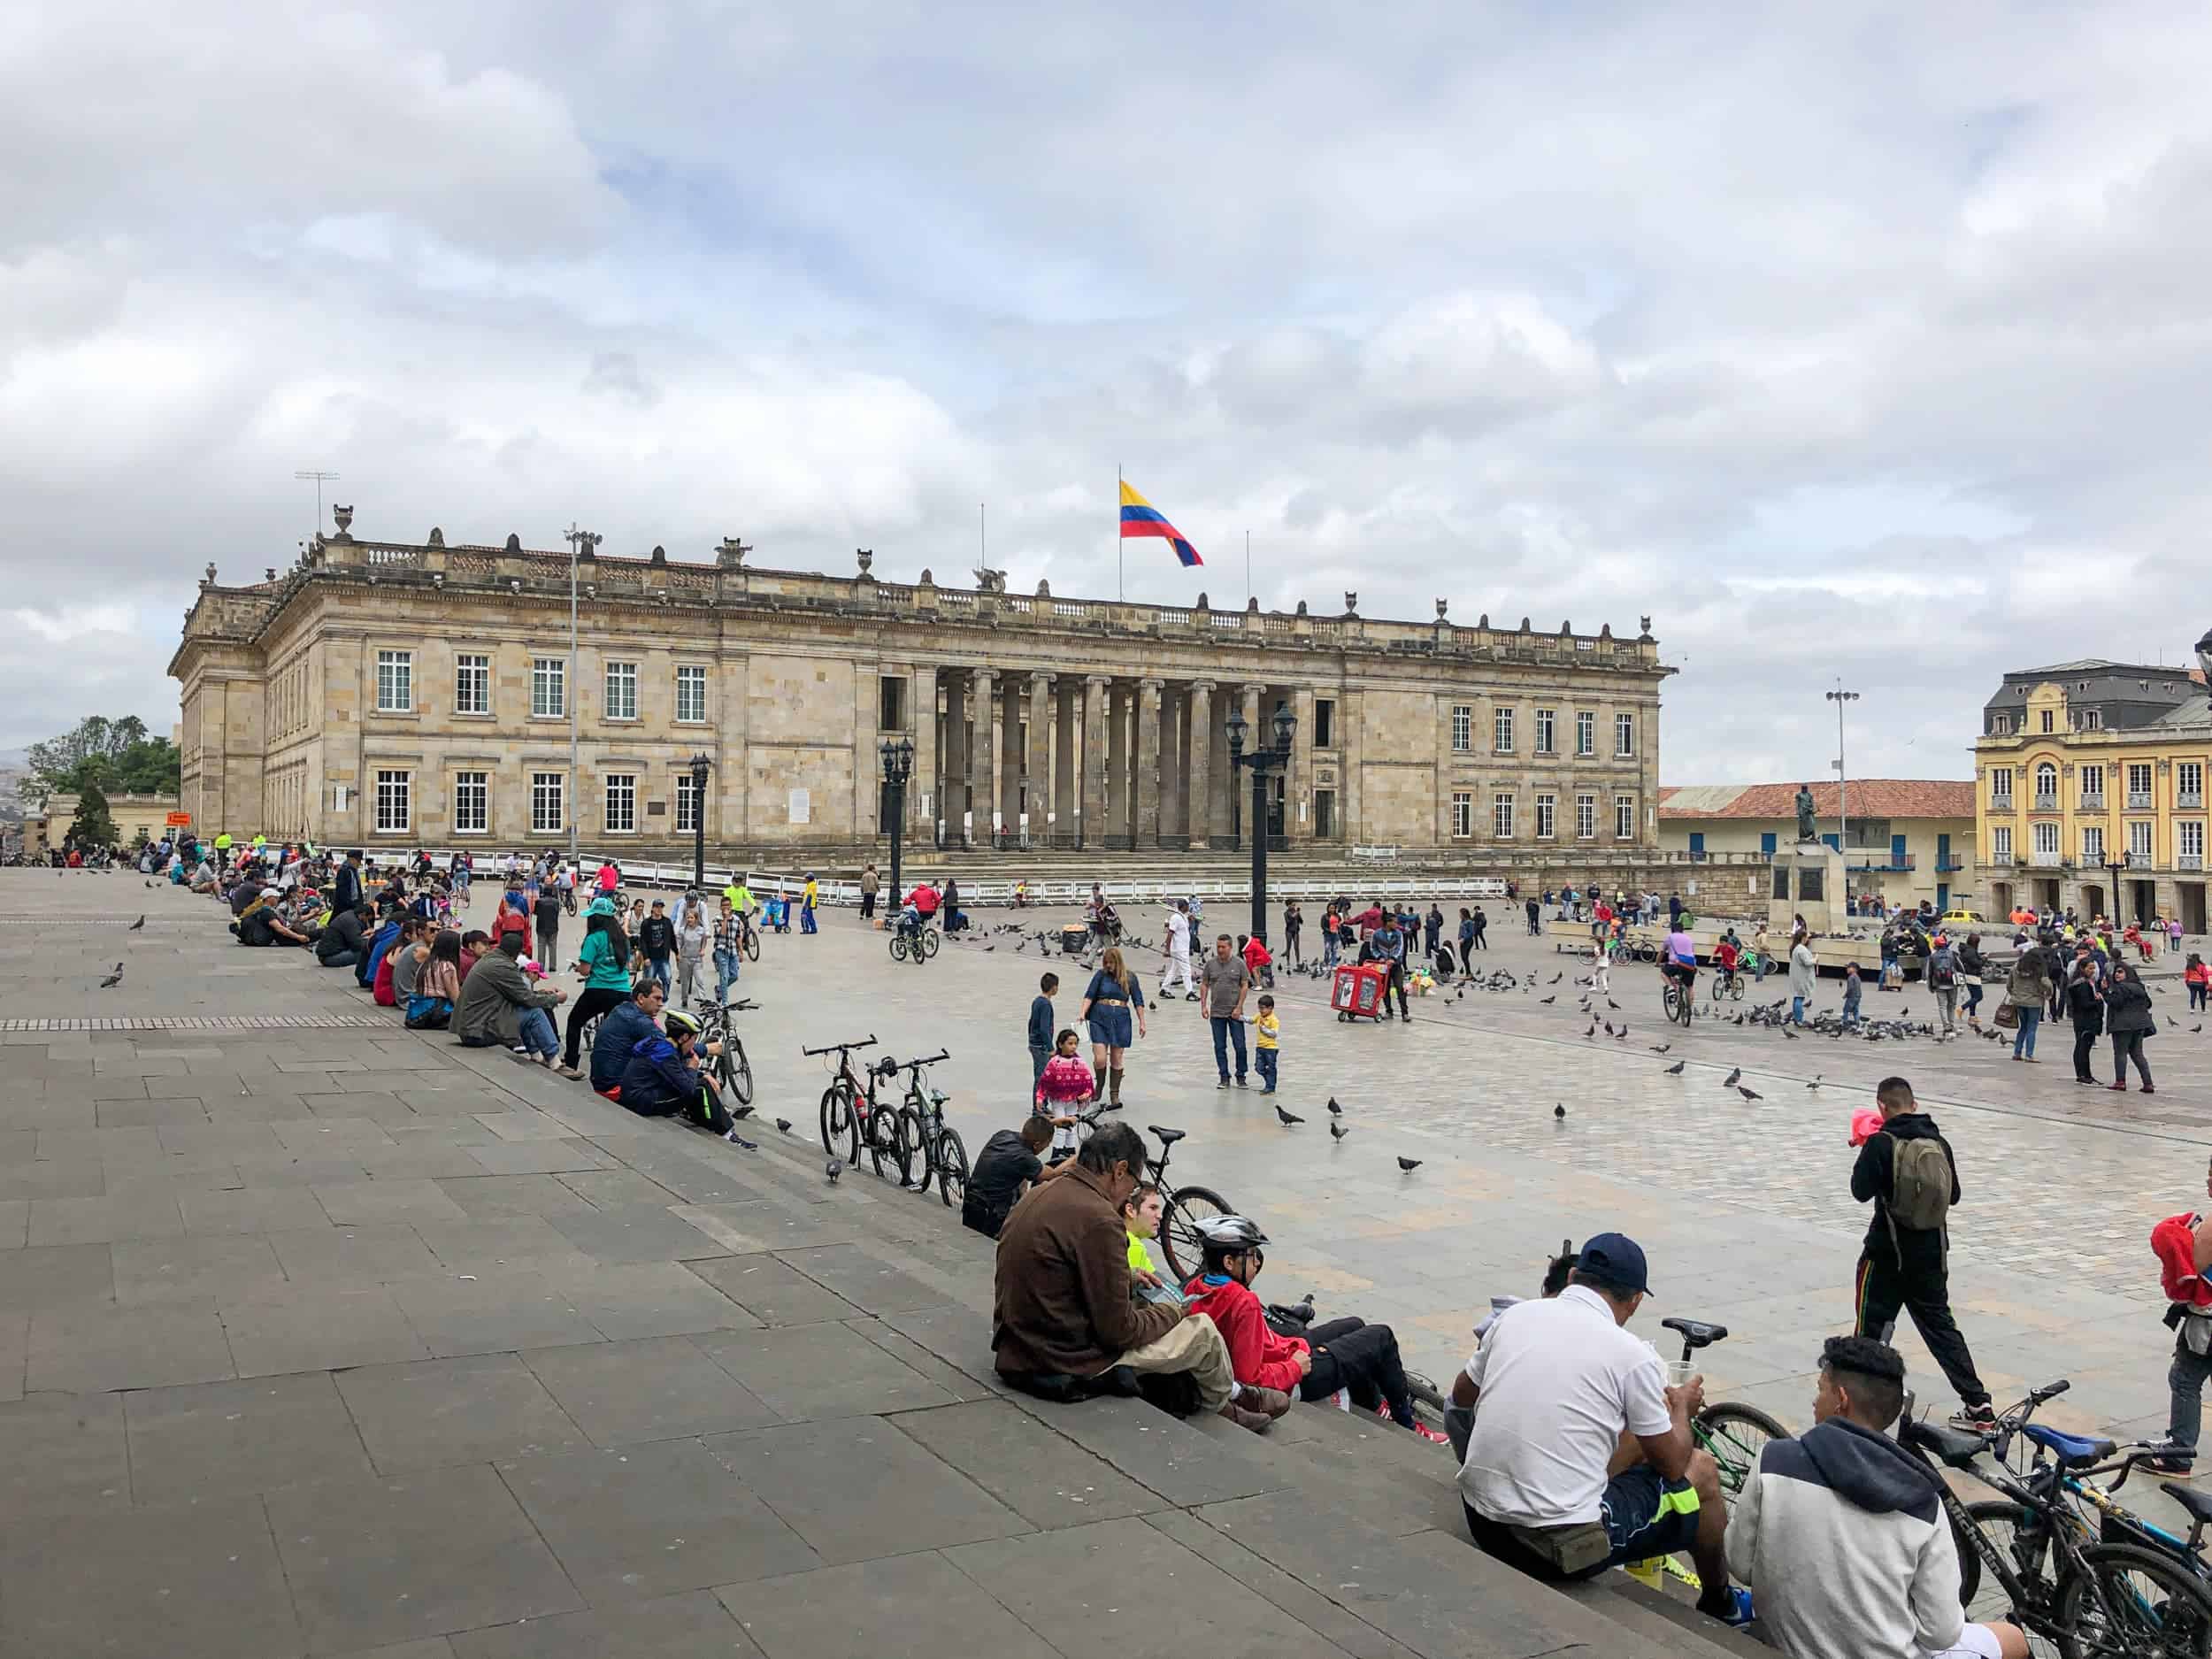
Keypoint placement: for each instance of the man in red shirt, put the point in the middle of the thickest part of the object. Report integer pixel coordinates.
(1258, 964)
(1345, 1355)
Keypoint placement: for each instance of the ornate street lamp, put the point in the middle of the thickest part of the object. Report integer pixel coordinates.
(1262, 761)
(2118, 865)
(700, 766)
(898, 766)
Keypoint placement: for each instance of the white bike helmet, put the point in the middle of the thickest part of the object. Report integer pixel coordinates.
(1229, 1235)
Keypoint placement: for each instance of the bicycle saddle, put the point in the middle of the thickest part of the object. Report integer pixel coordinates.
(2072, 1450)
(2198, 1503)
(1958, 1447)
(1696, 1332)
(1167, 1137)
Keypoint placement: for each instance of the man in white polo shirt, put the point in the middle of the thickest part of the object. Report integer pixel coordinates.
(1581, 1457)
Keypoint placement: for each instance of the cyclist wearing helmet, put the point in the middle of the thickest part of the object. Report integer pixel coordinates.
(663, 1078)
(1347, 1356)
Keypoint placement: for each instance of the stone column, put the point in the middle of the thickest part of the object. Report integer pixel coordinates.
(953, 792)
(983, 754)
(1300, 790)
(1200, 796)
(1067, 760)
(1116, 824)
(1147, 829)
(1042, 718)
(1174, 762)
(1091, 759)
(1013, 757)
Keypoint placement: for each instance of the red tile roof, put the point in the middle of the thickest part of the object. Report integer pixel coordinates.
(1870, 797)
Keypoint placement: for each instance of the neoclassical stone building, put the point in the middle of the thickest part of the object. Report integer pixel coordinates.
(389, 693)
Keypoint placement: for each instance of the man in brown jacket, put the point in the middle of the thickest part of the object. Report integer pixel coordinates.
(1063, 1306)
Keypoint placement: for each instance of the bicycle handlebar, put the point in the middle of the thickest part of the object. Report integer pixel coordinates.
(743, 1004)
(916, 1065)
(867, 1041)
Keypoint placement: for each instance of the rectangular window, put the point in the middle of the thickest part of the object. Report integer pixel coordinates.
(1624, 735)
(2092, 784)
(549, 687)
(2001, 725)
(2189, 839)
(686, 804)
(1502, 817)
(472, 685)
(691, 693)
(1462, 814)
(1324, 723)
(2092, 720)
(2001, 844)
(1585, 733)
(2092, 844)
(2047, 720)
(2047, 839)
(621, 691)
(890, 704)
(621, 802)
(2139, 839)
(2001, 787)
(396, 682)
(1547, 731)
(547, 793)
(1463, 727)
(1624, 817)
(1586, 817)
(395, 803)
(2189, 781)
(1546, 817)
(1502, 737)
(472, 803)
(2138, 783)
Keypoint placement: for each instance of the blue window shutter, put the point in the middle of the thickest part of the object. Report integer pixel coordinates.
(1766, 842)
(1834, 845)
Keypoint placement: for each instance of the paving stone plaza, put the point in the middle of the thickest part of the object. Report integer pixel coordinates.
(320, 1337)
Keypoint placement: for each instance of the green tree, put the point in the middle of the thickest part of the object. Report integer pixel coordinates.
(93, 827)
(116, 755)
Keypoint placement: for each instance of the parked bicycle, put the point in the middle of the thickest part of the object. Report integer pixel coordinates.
(927, 1144)
(1181, 1208)
(2055, 1576)
(1733, 1434)
(732, 1070)
(845, 1100)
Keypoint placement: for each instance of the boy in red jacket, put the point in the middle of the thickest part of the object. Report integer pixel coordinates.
(1350, 1355)
(2183, 1244)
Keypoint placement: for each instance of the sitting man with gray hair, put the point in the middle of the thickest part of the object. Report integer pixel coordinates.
(1065, 1321)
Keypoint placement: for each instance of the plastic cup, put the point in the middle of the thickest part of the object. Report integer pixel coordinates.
(1680, 1371)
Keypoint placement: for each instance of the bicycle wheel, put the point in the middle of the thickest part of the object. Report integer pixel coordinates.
(750, 945)
(1735, 1435)
(930, 942)
(1671, 998)
(2019, 1535)
(1735, 989)
(888, 1142)
(1185, 1207)
(2126, 1603)
(839, 1139)
(898, 946)
(735, 1071)
(952, 1168)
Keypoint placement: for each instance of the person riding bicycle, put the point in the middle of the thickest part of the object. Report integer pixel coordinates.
(1677, 961)
(1726, 955)
(663, 1076)
(921, 907)
(1345, 1356)
(1842, 1533)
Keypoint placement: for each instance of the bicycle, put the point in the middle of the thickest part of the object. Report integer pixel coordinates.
(925, 1140)
(1680, 994)
(1728, 982)
(732, 1070)
(748, 938)
(2058, 1580)
(845, 1100)
(1732, 1434)
(916, 941)
(1181, 1208)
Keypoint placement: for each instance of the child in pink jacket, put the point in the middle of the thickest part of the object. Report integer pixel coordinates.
(1066, 1083)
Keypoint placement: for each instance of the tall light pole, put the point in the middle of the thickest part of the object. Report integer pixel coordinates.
(699, 766)
(898, 766)
(579, 542)
(1839, 697)
(1263, 761)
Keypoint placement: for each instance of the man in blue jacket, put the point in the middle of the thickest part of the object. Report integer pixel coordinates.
(621, 1028)
(663, 1078)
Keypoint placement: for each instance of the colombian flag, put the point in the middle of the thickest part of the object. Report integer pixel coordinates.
(1140, 516)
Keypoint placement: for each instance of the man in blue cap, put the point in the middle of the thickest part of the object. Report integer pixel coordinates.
(1581, 1457)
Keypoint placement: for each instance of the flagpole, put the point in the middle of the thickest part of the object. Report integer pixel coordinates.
(1119, 590)
(1248, 569)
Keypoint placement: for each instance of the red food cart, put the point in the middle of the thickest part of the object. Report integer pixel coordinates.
(1357, 993)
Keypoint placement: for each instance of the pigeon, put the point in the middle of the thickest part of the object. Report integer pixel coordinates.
(1410, 1165)
(1814, 1083)
(737, 1140)
(1622, 1032)
(990, 947)
(1559, 1111)
(1335, 1110)
(836, 1167)
(112, 980)
(2171, 1020)
(1791, 1035)
(145, 884)
(1609, 1027)
(1661, 1047)
(1337, 1131)
(1549, 1000)
(1611, 1003)
(2198, 1026)
(1557, 977)
(135, 925)
(784, 1124)
(1748, 1094)
(1288, 1118)
(1734, 1077)
(1591, 1033)
(1675, 1069)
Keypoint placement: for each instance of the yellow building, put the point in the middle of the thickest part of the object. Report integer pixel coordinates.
(2088, 764)
(1904, 840)
(133, 814)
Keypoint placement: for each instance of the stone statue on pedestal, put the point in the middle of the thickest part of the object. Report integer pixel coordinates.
(1805, 813)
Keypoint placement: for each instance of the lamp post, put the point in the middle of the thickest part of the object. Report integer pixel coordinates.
(700, 765)
(2118, 865)
(898, 766)
(1839, 697)
(1263, 761)
(580, 543)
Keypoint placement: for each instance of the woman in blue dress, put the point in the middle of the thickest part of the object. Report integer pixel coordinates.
(1108, 1001)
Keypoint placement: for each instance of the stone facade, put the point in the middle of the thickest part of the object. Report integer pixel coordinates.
(386, 694)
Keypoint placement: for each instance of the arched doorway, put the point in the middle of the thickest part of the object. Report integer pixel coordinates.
(2093, 904)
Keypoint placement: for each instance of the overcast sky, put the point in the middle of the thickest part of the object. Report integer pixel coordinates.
(1841, 340)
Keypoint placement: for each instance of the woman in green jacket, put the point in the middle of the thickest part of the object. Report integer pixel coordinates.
(605, 965)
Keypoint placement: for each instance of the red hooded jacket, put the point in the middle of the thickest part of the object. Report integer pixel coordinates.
(2175, 1244)
(1257, 1357)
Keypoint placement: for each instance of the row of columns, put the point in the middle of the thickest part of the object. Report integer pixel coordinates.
(1108, 761)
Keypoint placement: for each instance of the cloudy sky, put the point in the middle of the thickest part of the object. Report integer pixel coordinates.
(1854, 339)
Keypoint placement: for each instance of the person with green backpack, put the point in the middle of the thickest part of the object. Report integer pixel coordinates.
(1908, 1170)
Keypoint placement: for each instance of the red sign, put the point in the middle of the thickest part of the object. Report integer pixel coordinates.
(180, 820)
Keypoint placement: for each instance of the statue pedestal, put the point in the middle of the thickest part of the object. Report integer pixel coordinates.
(1808, 881)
